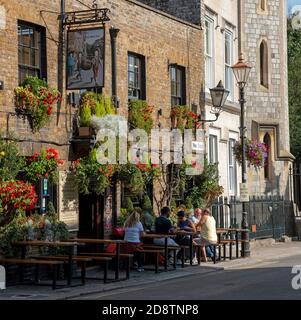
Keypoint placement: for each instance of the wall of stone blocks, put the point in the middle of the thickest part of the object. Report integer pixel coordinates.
(189, 10)
(267, 106)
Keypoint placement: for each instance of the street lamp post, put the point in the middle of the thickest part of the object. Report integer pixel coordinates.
(241, 72)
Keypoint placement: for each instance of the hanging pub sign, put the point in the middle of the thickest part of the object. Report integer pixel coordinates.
(85, 58)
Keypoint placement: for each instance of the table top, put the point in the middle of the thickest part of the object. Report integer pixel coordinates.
(97, 241)
(157, 235)
(41, 243)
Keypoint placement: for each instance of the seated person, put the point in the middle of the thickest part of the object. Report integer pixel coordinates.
(133, 232)
(163, 226)
(208, 237)
(185, 225)
(195, 218)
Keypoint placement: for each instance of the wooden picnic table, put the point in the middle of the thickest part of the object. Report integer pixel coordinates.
(158, 236)
(105, 241)
(70, 245)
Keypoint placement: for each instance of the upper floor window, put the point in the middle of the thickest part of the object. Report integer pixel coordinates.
(264, 70)
(178, 85)
(209, 52)
(136, 77)
(32, 59)
(229, 62)
(213, 149)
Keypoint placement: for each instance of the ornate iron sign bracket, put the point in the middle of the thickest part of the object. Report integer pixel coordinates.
(86, 17)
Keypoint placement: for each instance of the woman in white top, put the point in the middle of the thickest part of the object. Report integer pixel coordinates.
(207, 226)
(133, 232)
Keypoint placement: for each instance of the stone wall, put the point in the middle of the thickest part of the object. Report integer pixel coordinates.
(189, 10)
(268, 106)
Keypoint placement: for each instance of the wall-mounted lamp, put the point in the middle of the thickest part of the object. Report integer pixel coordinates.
(1, 85)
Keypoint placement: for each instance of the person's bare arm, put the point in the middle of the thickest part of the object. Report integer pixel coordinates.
(192, 226)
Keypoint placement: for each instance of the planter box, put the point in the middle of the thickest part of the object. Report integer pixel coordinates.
(85, 132)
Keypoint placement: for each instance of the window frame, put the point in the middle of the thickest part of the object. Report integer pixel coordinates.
(213, 148)
(179, 84)
(39, 69)
(264, 64)
(141, 81)
(228, 65)
(232, 165)
(209, 56)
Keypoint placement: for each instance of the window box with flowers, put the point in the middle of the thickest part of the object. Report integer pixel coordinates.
(36, 100)
(182, 118)
(256, 153)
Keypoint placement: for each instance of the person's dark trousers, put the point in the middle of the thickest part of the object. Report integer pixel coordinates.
(183, 242)
(138, 256)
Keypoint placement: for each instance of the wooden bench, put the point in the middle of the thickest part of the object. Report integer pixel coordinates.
(157, 253)
(198, 246)
(173, 248)
(126, 256)
(83, 262)
(36, 262)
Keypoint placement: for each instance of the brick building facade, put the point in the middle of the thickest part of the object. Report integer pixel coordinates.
(159, 39)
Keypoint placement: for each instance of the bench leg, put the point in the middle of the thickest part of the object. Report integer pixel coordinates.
(83, 272)
(128, 265)
(37, 271)
(183, 257)
(105, 272)
(219, 252)
(214, 254)
(174, 258)
(157, 262)
(230, 251)
(224, 251)
(54, 274)
(198, 248)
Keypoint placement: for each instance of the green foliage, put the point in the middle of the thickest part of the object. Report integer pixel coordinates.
(14, 231)
(147, 220)
(122, 217)
(147, 204)
(92, 177)
(94, 104)
(206, 186)
(85, 116)
(35, 83)
(11, 161)
(188, 203)
(129, 205)
(51, 212)
(140, 115)
(294, 88)
(173, 204)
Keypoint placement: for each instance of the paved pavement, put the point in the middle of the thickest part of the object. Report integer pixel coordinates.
(267, 273)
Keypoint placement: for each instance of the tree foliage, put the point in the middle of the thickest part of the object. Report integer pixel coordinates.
(294, 88)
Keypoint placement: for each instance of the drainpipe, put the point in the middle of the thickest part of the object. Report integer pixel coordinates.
(113, 34)
(60, 62)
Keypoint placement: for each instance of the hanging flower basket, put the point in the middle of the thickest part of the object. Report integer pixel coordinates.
(36, 100)
(256, 153)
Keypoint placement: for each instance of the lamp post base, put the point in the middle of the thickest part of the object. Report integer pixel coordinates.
(245, 244)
